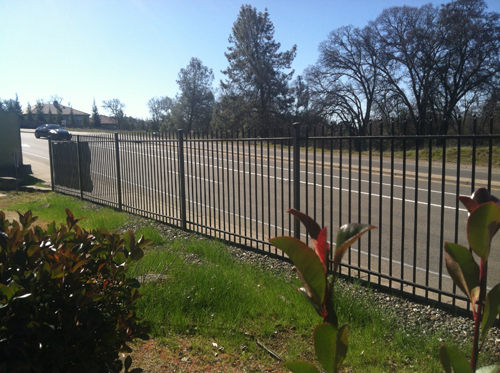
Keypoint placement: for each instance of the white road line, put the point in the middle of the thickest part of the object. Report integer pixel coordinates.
(36, 155)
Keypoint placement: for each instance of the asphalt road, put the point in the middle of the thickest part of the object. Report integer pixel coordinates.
(36, 154)
(245, 189)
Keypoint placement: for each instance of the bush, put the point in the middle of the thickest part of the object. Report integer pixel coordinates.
(66, 304)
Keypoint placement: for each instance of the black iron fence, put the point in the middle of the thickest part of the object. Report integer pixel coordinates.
(238, 187)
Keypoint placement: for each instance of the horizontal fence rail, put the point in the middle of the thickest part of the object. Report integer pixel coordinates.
(238, 187)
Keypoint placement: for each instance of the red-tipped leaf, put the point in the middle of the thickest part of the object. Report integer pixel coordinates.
(469, 203)
(322, 249)
(311, 226)
(308, 265)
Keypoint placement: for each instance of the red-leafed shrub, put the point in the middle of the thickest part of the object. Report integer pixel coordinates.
(66, 304)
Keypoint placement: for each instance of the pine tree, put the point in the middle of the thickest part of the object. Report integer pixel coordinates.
(29, 115)
(39, 111)
(51, 116)
(193, 109)
(96, 120)
(71, 118)
(256, 68)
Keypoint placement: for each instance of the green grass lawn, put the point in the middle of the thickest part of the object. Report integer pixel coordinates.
(207, 294)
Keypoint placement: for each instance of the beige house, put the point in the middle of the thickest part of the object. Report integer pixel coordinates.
(63, 111)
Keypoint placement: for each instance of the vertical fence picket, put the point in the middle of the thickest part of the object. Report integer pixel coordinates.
(296, 176)
(79, 164)
(182, 180)
(118, 173)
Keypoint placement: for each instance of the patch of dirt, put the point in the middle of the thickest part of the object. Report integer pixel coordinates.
(155, 358)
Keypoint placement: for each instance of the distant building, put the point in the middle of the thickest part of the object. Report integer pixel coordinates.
(60, 112)
(105, 120)
(108, 123)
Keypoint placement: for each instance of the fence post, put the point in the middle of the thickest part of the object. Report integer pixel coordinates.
(78, 160)
(296, 176)
(182, 185)
(118, 174)
(51, 161)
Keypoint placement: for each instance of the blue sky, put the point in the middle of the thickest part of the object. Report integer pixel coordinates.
(133, 50)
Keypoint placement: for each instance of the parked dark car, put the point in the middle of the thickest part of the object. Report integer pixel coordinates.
(53, 132)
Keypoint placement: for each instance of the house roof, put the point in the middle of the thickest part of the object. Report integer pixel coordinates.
(66, 110)
(107, 120)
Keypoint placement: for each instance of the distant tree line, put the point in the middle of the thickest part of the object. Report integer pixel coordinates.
(12, 106)
(426, 64)
(36, 115)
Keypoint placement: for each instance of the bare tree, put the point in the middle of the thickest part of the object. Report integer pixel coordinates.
(408, 42)
(159, 108)
(431, 58)
(345, 81)
(471, 37)
(115, 108)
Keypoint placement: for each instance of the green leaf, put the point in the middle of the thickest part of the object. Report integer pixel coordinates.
(482, 225)
(79, 264)
(453, 361)
(463, 269)
(143, 242)
(301, 367)
(51, 228)
(491, 310)
(136, 255)
(32, 250)
(316, 306)
(346, 236)
(330, 345)
(56, 273)
(6, 291)
(133, 283)
(128, 362)
(119, 257)
(308, 265)
(488, 369)
(129, 238)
